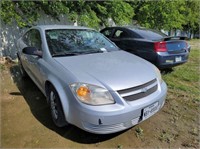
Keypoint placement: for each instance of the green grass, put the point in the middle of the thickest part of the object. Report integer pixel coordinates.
(167, 137)
(185, 78)
(139, 132)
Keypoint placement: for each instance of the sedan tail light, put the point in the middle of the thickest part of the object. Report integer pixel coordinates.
(160, 46)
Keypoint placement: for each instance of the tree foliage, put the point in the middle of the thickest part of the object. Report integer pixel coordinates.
(192, 15)
(26, 13)
(89, 13)
(162, 14)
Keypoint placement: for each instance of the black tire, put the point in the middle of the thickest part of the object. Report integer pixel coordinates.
(21, 68)
(57, 113)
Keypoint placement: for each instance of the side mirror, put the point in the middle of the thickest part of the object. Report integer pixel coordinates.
(32, 51)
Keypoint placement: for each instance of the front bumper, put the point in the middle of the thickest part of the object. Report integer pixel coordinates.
(116, 117)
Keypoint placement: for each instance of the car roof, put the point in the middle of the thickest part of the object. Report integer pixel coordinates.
(130, 27)
(143, 32)
(48, 27)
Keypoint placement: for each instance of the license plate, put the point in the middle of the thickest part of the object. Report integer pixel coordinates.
(178, 59)
(169, 61)
(150, 110)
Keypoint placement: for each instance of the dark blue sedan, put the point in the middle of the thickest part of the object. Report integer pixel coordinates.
(154, 46)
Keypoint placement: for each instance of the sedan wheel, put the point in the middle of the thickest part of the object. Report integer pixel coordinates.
(56, 108)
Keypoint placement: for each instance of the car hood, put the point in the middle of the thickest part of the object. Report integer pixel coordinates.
(114, 70)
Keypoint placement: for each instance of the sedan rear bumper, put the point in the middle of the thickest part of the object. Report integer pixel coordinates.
(168, 60)
(105, 120)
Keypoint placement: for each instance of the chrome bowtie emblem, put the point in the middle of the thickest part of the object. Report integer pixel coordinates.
(144, 90)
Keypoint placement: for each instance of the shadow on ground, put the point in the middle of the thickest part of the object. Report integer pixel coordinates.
(40, 109)
(166, 71)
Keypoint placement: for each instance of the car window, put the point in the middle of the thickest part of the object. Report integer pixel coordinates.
(150, 34)
(135, 35)
(107, 33)
(33, 39)
(120, 34)
(77, 41)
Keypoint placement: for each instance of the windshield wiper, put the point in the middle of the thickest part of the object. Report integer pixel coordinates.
(63, 54)
(76, 53)
(90, 52)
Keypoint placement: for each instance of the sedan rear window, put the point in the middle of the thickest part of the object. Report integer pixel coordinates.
(77, 41)
(150, 34)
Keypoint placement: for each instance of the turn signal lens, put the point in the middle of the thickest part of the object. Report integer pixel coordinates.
(82, 91)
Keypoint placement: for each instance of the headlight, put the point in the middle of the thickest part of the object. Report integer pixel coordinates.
(158, 74)
(91, 94)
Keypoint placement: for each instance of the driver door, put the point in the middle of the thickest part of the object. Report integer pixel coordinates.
(34, 62)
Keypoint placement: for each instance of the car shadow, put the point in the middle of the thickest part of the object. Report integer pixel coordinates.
(166, 71)
(41, 111)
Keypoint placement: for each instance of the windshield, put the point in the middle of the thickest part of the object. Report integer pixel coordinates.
(63, 42)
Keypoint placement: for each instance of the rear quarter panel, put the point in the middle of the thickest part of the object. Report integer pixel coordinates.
(140, 47)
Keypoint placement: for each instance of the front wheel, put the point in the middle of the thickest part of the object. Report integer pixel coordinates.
(56, 108)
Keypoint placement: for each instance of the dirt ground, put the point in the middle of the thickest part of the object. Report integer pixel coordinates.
(26, 122)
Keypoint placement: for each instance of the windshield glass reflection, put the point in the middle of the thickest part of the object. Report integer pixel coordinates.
(68, 42)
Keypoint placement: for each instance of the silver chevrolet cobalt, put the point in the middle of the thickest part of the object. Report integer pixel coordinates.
(88, 81)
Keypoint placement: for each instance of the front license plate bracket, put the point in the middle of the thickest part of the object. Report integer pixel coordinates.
(150, 110)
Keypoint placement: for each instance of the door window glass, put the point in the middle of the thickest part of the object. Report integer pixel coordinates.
(33, 39)
(121, 34)
(107, 33)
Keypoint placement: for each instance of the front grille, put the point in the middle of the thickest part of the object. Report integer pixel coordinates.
(140, 91)
(104, 128)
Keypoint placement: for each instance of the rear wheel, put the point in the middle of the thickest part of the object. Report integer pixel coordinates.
(56, 108)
